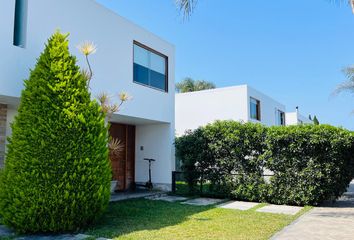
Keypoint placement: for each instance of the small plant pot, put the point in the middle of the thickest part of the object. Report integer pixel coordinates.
(113, 186)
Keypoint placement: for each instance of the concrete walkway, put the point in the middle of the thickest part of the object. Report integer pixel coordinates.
(139, 193)
(330, 222)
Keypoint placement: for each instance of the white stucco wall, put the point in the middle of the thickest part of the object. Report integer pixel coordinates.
(197, 109)
(295, 118)
(153, 140)
(269, 107)
(112, 65)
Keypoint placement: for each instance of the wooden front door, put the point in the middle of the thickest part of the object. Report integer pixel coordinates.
(123, 164)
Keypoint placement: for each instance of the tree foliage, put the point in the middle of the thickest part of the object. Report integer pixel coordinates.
(315, 120)
(190, 85)
(57, 173)
(187, 6)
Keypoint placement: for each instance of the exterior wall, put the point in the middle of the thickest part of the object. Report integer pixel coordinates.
(112, 65)
(197, 109)
(295, 118)
(3, 119)
(291, 118)
(269, 107)
(154, 141)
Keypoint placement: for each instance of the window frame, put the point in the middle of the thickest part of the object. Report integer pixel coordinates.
(258, 109)
(159, 54)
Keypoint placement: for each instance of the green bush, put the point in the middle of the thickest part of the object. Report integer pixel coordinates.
(235, 148)
(57, 173)
(221, 155)
(310, 163)
(193, 162)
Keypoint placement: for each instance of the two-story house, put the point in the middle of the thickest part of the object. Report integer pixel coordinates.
(129, 58)
(239, 103)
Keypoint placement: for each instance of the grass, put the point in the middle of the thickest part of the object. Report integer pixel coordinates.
(146, 219)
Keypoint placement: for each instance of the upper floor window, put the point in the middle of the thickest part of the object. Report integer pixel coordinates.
(20, 23)
(150, 67)
(280, 118)
(255, 109)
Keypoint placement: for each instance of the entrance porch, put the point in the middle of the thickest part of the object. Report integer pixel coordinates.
(139, 139)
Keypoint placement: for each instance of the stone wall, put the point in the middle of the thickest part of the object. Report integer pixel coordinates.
(3, 117)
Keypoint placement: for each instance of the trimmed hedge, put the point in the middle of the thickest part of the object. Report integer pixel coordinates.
(57, 173)
(310, 163)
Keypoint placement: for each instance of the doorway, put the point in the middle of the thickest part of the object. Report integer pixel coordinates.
(123, 163)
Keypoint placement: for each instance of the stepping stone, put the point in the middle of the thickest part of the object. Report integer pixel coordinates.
(47, 237)
(238, 205)
(280, 209)
(82, 236)
(202, 201)
(5, 231)
(101, 238)
(167, 198)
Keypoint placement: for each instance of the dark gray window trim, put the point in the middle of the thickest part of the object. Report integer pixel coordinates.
(166, 66)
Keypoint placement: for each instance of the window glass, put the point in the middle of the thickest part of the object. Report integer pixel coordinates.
(20, 23)
(280, 118)
(255, 109)
(150, 68)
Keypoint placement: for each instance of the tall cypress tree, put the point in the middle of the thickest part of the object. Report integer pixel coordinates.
(57, 173)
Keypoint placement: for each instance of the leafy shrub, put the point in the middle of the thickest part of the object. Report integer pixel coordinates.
(57, 174)
(310, 163)
(222, 153)
(235, 148)
(193, 162)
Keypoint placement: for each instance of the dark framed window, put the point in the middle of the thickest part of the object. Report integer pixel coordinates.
(20, 23)
(255, 109)
(150, 67)
(280, 118)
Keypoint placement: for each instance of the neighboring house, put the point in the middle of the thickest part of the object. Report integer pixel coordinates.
(294, 118)
(129, 58)
(239, 103)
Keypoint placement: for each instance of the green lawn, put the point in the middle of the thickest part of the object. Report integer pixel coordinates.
(146, 219)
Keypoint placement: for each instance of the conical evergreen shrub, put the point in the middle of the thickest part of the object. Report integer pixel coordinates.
(57, 173)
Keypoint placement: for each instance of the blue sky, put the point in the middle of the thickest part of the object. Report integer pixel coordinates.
(291, 50)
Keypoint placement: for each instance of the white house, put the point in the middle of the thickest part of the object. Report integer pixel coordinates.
(294, 118)
(239, 103)
(129, 58)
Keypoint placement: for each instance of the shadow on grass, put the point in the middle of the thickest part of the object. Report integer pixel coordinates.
(129, 216)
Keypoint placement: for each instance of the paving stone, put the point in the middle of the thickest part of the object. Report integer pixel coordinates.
(202, 201)
(82, 236)
(46, 237)
(281, 209)
(131, 195)
(238, 205)
(5, 231)
(328, 222)
(167, 198)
